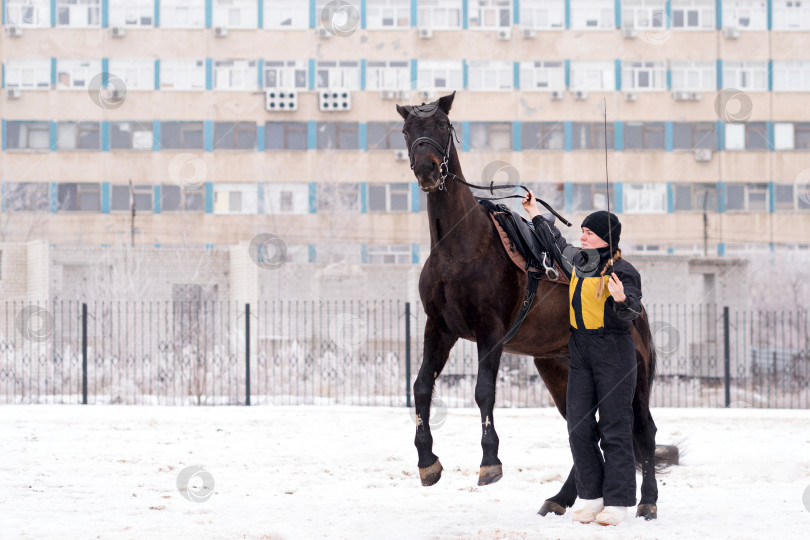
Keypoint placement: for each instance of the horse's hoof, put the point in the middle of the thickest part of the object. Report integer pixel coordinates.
(432, 474)
(489, 474)
(647, 511)
(551, 506)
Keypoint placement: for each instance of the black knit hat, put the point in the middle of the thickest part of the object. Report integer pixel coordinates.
(598, 223)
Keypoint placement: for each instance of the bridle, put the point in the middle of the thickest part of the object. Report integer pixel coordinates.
(444, 170)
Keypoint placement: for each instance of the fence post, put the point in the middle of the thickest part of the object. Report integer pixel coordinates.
(247, 354)
(84, 353)
(726, 355)
(407, 354)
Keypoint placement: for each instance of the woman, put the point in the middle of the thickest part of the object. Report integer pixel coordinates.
(602, 372)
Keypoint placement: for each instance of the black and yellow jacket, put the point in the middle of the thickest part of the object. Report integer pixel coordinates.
(582, 267)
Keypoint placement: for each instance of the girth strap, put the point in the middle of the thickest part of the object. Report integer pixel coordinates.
(531, 292)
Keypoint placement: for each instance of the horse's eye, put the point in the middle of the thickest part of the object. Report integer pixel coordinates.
(442, 124)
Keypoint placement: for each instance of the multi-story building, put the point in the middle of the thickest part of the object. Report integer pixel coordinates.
(214, 111)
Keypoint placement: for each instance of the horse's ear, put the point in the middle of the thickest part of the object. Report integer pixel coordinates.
(404, 112)
(445, 102)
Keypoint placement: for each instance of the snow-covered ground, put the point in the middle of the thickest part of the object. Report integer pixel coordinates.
(350, 472)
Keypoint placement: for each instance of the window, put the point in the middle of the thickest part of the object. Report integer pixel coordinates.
(334, 253)
(542, 75)
(78, 13)
(78, 136)
(79, 197)
(285, 74)
(137, 74)
(285, 136)
(745, 75)
(495, 136)
(791, 15)
(389, 197)
(694, 76)
(591, 135)
(593, 76)
(783, 197)
(787, 76)
(28, 13)
(27, 197)
(182, 74)
(132, 13)
(693, 14)
(440, 75)
(182, 14)
(181, 135)
(542, 136)
(121, 198)
(690, 135)
(235, 75)
(747, 136)
(235, 198)
(285, 14)
(338, 198)
(28, 74)
(388, 14)
(542, 14)
(286, 198)
(490, 75)
(643, 13)
(389, 254)
(745, 14)
(388, 75)
(490, 14)
(338, 136)
(343, 74)
(694, 197)
(76, 74)
(645, 198)
(235, 13)
(21, 135)
(643, 75)
(589, 197)
(644, 136)
(748, 197)
(173, 198)
(791, 136)
(385, 135)
(439, 14)
(592, 14)
(234, 136)
(131, 136)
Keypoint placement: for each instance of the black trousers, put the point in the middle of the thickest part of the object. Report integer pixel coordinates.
(602, 377)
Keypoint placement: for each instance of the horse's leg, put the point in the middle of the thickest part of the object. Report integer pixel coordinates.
(644, 434)
(438, 342)
(554, 372)
(490, 348)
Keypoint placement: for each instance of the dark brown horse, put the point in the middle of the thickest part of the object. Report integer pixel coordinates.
(471, 290)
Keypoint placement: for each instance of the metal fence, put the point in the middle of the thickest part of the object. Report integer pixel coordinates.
(358, 353)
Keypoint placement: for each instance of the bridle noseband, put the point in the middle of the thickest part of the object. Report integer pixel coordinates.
(444, 168)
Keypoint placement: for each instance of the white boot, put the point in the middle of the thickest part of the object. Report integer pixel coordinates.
(587, 513)
(612, 515)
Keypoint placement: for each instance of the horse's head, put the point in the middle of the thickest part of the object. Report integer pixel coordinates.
(428, 136)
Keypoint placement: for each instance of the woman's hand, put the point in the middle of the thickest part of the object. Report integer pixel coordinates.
(616, 288)
(530, 205)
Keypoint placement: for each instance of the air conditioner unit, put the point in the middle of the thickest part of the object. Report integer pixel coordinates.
(14, 31)
(117, 31)
(115, 93)
(629, 32)
(630, 96)
(13, 93)
(703, 154)
(220, 31)
(557, 94)
(731, 32)
(529, 33)
(505, 35)
(401, 155)
(323, 33)
(276, 100)
(695, 96)
(680, 95)
(389, 94)
(427, 94)
(403, 94)
(579, 95)
(335, 100)
(425, 33)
